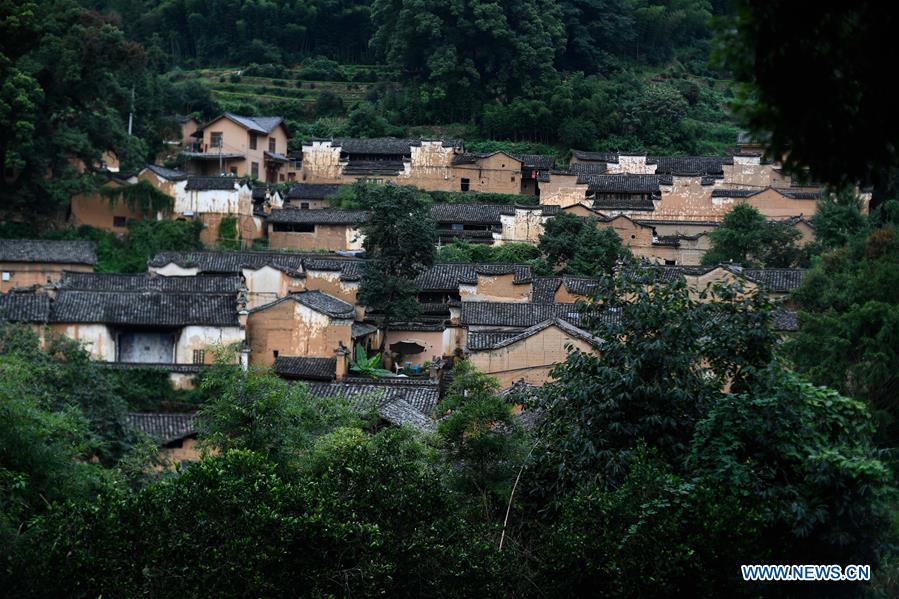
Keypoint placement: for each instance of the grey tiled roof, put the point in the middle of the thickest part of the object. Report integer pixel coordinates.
(318, 301)
(570, 329)
(167, 173)
(384, 145)
(361, 329)
(325, 216)
(502, 314)
(47, 251)
(446, 277)
(423, 394)
(785, 320)
(778, 280)
(537, 161)
(745, 193)
(313, 191)
(689, 165)
(259, 124)
(595, 156)
(350, 269)
(301, 367)
(588, 168)
(398, 404)
(624, 183)
(478, 340)
(210, 183)
(163, 427)
(147, 308)
(143, 282)
(483, 213)
(24, 307)
(545, 289)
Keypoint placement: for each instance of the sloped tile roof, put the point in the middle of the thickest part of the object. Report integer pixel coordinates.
(398, 404)
(385, 145)
(325, 216)
(690, 165)
(313, 191)
(483, 213)
(478, 340)
(259, 124)
(301, 367)
(167, 173)
(24, 307)
(624, 183)
(144, 308)
(386, 168)
(447, 277)
(537, 161)
(143, 282)
(163, 428)
(596, 156)
(778, 280)
(545, 289)
(211, 183)
(568, 328)
(47, 251)
(502, 314)
(316, 300)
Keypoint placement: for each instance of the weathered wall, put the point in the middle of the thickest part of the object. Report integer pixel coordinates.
(630, 164)
(328, 281)
(524, 226)
(292, 329)
(248, 228)
(173, 270)
(97, 339)
(321, 163)
(433, 342)
(497, 288)
(430, 167)
(146, 347)
(325, 237)
(530, 359)
(96, 211)
(562, 190)
(28, 274)
(499, 173)
(267, 284)
(205, 338)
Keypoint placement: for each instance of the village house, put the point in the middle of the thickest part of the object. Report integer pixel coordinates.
(142, 319)
(26, 263)
(269, 275)
(27, 308)
(430, 165)
(308, 196)
(309, 230)
(241, 146)
(174, 433)
(95, 209)
(309, 324)
(394, 401)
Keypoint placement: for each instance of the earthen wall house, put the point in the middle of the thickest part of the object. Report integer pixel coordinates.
(27, 263)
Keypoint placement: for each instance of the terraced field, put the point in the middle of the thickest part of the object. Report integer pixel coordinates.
(233, 87)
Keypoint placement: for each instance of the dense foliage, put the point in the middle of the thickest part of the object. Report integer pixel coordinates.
(400, 240)
(746, 238)
(579, 247)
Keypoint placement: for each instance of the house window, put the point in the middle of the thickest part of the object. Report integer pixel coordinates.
(118, 221)
(465, 184)
(254, 170)
(281, 178)
(272, 145)
(215, 139)
(513, 178)
(199, 356)
(670, 262)
(304, 205)
(6, 275)
(252, 141)
(275, 353)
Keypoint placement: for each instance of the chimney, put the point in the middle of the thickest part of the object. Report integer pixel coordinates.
(341, 354)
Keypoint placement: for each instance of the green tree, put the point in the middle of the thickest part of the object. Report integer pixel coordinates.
(774, 47)
(260, 412)
(838, 218)
(801, 456)
(746, 238)
(400, 240)
(483, 442)
(579, 247)
(848, 337)
(663, 359)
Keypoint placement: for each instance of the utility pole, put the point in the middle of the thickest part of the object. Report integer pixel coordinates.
(131, 114)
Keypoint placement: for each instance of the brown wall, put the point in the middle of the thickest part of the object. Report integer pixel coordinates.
(246, 227)
(530, 359)
(294, 330)
(96, 211)
(496, 288)
(236, 140)
(432, 341)
(499, 173)
(329, 282)
(25, 274)
(325, 237)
